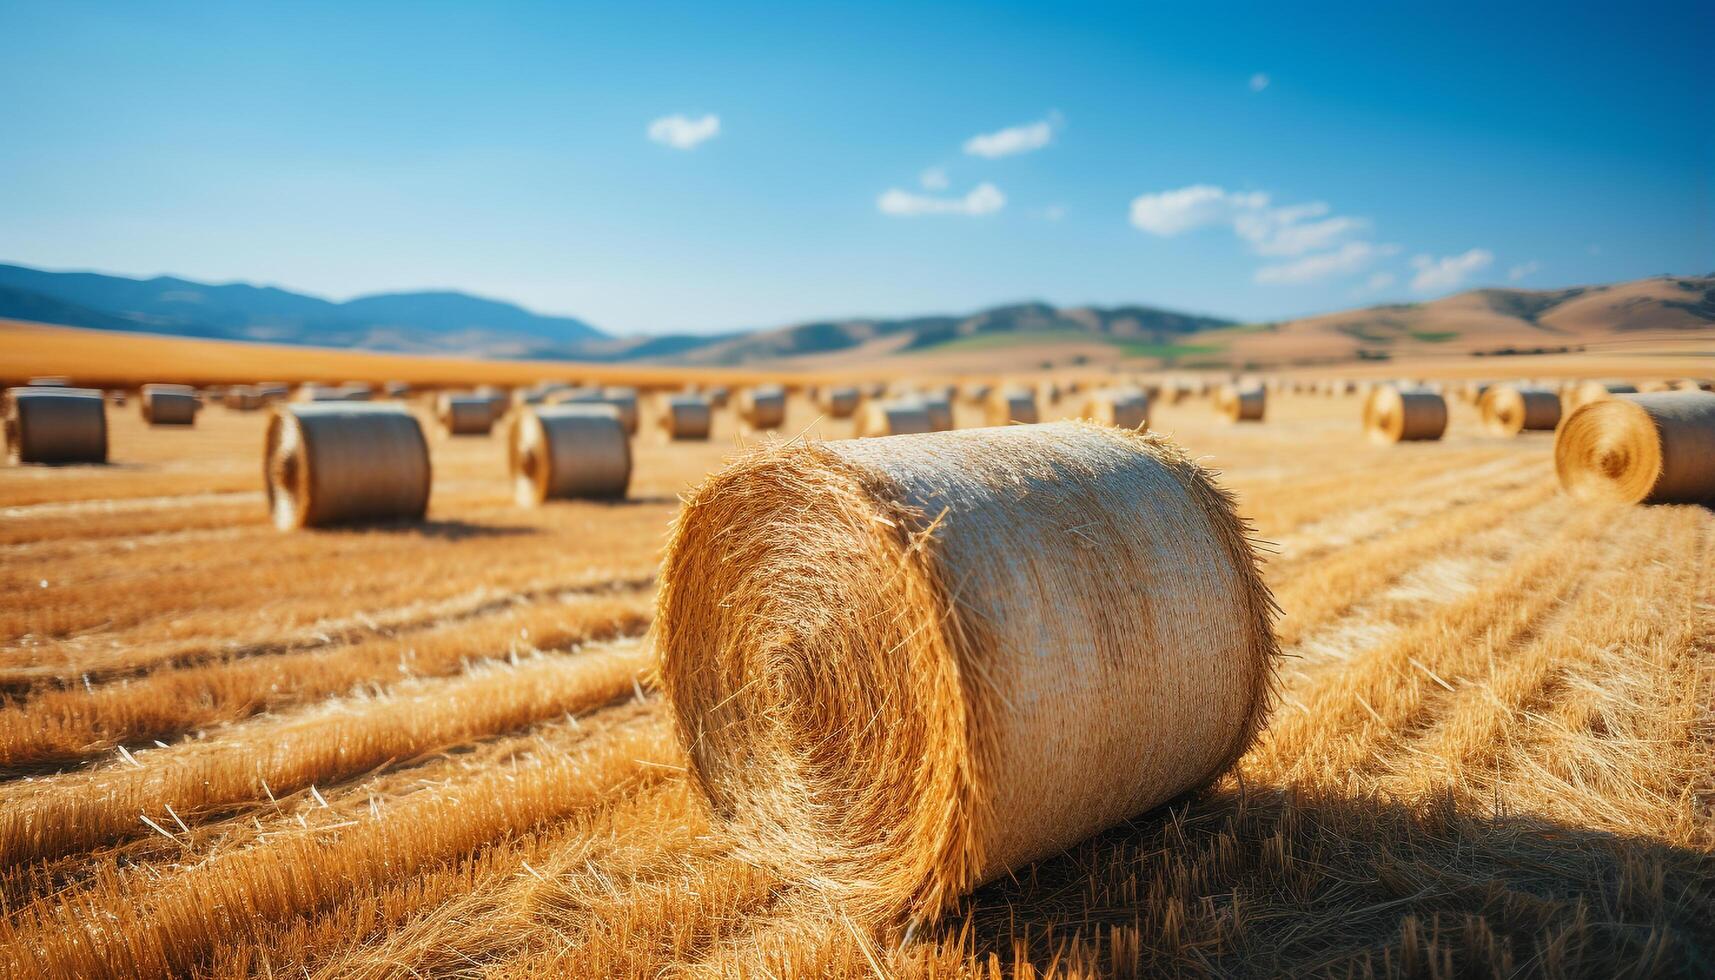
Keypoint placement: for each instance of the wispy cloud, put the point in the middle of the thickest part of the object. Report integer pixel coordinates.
(682, 132)
(1438, 274)
(1345, 260)
(933, 179)
(1259, 81)
(983, 199)
(1290, 230)
(1014, 139)
(1523, 269)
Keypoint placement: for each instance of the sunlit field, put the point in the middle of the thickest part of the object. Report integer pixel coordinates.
(435, 749)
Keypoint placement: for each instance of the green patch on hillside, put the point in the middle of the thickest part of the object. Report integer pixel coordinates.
(1434, 336)
(1166, 352)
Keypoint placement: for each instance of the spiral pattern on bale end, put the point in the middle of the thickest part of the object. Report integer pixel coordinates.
(1237, 403)
(687, 417)
(1127, 408)
(900, 416)
(1640, 449)
(1404, 415)
(1511, 409)
(566, 451)
(1010, 405)
(900, 667)
(330, 463)
(465, 415)
(763, 407)
(169, 404)
(44, 424)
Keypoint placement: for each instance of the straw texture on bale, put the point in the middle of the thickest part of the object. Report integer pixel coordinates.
(1008, 405)
(565, 451)
(762, 407)
(1511, 409)
(1644, 449)
(465, 415)
(687, 417)
(334, 463)
(900, 667)
(896, 417)
(841, 402)
(55, 425)
(1404, 415)
(1127, 408)
(169, 404)
(1241, 404)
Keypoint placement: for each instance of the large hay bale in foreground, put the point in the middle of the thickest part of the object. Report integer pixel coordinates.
(1404, 415)
(565, 451)
(464, 414)
(896, 675)
(169, 404)
(1237, 403)
(1127, 408)
(763, 406)
(1015, 404)
(1509, 409)
(46, 424)
(687, 417)
(898, 416)
(1642, 449)
(336, 463)
(841, 401)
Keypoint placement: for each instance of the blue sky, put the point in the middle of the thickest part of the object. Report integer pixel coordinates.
(1255, 161)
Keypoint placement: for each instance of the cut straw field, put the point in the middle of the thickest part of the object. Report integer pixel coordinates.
(438, 749)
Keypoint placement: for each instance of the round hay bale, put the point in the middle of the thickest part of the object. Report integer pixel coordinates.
(46, 424)
(1240, 404)
(978, 394)
(842, 401)
(53, 381)
(315, 391)
(356, 391)
(762, 407)
(900, 416)
(273, 391)
(396, 390)
(1404, 415)
(1009, 405)
(1510, 409)
(169, 404)
(718, 395)
(625, 401)
(565, 451)
(954, 684)
(1584, 392)
(687, 417)
(940, 409)
(464, 414)
(1127, 408)
(336, 463)
(1640, 449)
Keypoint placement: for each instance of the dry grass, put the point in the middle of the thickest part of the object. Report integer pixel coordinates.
(390, 752)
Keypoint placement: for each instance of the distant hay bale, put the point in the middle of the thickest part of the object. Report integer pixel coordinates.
(978, 393)
(273, 391)
(1237, 403)
(49, 424)
(243, 398)
(954, 684)
(718, 395)
(762, 406)
(687, 417)
(1127, 408)
(841, 401)
(396, 390)
(315, 391)
(1584, 392)
(1404, 415)
(1009, 405)
(357, 391)
(464, 414)
(169, 404)
(1510, 409)
(624, 400)
(894, 417)
(49, 381)
(940, 409)
(336, 463)
(1641, 449)
(565, 451)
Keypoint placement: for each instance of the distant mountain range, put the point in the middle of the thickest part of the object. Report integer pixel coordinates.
(456, 323)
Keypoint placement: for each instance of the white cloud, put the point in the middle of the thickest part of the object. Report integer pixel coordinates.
(1379, 281)
(933, 179)
(1436, 274)
(1170, 213)
(1523, 269)
(682, 132)
(1259, 81)
(1345, 260)
(983, 199)
(1014, 139)
(1268, 230)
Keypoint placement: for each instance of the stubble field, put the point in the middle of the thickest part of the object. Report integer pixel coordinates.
(435, 750)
